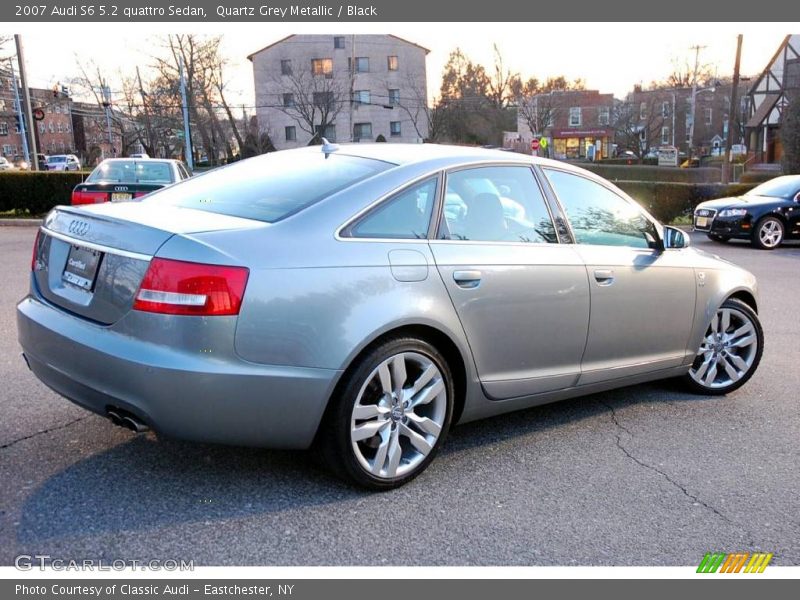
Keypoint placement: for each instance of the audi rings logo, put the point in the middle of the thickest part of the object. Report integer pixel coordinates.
(120, 188)
(78, 227)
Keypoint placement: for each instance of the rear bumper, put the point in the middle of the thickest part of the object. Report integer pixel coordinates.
(197, 398)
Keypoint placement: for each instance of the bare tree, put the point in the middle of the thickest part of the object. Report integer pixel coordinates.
(312, 100)
(637, 123)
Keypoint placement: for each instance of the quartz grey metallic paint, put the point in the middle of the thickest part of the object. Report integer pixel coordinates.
(529, 323)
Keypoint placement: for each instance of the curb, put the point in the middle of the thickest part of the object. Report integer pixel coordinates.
(20, 222)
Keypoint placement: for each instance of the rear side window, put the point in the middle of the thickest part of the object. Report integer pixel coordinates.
(405, 216)
(269, 187)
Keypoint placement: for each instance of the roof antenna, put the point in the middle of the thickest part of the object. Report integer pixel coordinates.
(328, 148)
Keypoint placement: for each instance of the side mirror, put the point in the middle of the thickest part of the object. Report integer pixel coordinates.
(675, 238)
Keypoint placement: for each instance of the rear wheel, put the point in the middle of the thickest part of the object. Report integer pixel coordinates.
(768, 233)
(730, 351)
(392, 417)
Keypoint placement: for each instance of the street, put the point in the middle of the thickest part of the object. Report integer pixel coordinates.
(646, 475)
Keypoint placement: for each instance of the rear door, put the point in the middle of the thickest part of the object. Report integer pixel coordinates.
(642, 298)
(522, 297)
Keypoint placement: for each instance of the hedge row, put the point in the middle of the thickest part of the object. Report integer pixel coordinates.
(34, 192)
(757, 176)
(666, 201)
(654, 173)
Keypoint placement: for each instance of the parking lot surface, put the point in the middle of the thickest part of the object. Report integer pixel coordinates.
(646, 475)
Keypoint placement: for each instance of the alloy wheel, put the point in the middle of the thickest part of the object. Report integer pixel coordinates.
(398, 415)
(728, 351)
(770, 233)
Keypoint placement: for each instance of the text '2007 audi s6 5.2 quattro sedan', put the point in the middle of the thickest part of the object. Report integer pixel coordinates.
(361, 299)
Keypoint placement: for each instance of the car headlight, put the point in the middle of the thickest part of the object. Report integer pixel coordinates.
(733, 212)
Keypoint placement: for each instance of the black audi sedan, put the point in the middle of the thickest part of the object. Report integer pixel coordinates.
(120, 179)
(766, 215)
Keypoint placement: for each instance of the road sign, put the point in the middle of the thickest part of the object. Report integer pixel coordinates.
(535, 144)
(543, 143)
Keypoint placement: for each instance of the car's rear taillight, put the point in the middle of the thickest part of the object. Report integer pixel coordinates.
(35, 254)
(176, 287)
(81, 197)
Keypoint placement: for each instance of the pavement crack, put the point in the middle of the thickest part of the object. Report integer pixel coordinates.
(641, 463)
(48, 430)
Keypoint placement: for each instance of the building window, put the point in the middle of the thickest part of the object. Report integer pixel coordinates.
(362, 131)
(603, 115)
(322, 66)
(16, 127)
(709, 116)
(394, 129)
(362, 64)
(643, 111)
(329, 133)
(323, 99)
(665, 109)
(361, 97)
(394, 97)
(689, 137)
(392, 63)
(42, 128)
(575, 116)
(3, 128)
(665, 135)
(288, 100)
(286, 67)
(52, 129)
(290, 133)
(60, 127)
(338, 42)
(6, 149)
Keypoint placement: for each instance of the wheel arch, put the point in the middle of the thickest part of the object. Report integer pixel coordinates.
(745, 296)
(441, 340)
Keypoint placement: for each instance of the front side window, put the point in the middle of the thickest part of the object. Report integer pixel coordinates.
(495, 204)
(406, 216)
(598, 215)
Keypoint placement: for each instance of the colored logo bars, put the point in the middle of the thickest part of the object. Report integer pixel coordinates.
(734, 563)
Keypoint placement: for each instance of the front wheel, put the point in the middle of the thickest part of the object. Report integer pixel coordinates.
(730, 351)
(392, 416)
(768, 233)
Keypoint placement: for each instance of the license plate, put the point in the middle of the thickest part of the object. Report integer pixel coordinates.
(81, 267)
(701, 222)
(120, 196)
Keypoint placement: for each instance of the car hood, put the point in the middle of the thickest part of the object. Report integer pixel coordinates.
(743, 202)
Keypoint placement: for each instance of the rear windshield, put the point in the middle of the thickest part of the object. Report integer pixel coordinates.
(131, 171)
(269, 187)
(57, 159)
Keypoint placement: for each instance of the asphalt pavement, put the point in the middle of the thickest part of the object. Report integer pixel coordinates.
(646, 475)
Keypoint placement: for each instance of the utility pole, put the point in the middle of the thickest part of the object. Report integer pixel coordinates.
(20, 115)
(148, 125)
(732, 112)
(352, 85)
(106, 92)
(696, 49)
(26, 97)
(187, 137)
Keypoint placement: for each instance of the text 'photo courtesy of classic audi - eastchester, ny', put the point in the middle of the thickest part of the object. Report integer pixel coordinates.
(361, 299)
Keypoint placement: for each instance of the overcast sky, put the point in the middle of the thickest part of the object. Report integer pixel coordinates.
(608, 56)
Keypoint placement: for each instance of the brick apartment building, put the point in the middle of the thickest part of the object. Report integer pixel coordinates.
(369, 85)
(665, 117)
(572, 121)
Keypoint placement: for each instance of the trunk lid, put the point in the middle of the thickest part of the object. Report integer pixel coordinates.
(90, 261)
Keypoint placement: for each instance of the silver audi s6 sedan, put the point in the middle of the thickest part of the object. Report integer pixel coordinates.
(361, 299)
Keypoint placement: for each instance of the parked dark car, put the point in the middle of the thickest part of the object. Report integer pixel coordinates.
(766, 215)
(120, 179)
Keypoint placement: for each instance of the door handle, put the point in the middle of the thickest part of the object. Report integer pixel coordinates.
(604, 276)
(467, 279)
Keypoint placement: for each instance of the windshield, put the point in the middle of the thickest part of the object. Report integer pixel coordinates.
(780, 187)
(131, 171)
(57, 159)
(270, 187)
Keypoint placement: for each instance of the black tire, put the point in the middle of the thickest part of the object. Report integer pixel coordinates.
(765, 222)
(697, 388)
(333, 443)
(719, 238)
